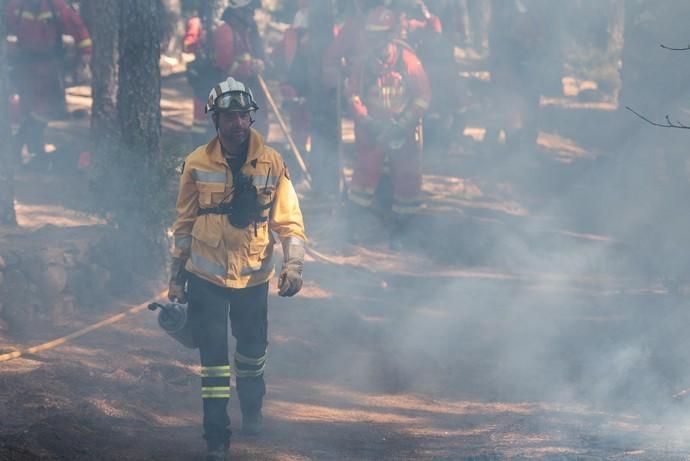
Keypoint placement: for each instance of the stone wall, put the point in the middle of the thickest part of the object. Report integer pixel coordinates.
(45, 274)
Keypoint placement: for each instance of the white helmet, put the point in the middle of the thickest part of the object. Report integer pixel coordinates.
(230, 96)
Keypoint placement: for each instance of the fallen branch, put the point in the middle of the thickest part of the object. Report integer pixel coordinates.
(668, 124)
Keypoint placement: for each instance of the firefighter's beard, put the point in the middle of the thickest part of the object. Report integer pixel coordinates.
(230, 138)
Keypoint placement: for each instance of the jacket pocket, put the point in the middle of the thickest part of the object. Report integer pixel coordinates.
(207, 232)
(258, 254)
(210, 194)
(208, 255)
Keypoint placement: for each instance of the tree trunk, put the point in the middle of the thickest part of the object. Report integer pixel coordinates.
(325, 128)
(138, 169)
(139, 89)
(99, 16)
(7, 154)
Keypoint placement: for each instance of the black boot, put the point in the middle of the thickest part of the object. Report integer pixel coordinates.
(252, 423)
(218, 452)
(251, 393)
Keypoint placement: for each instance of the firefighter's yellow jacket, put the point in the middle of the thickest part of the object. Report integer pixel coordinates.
(213, 248)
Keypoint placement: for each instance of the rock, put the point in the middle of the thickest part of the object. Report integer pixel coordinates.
(23, 310)
(14, 286)
(88, 284)
(63, 308)
(53, 280)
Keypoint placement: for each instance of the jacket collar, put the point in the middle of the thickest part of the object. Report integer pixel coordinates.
(256, 148)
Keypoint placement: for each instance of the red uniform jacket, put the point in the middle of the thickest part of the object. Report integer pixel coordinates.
(233, 51)
(39, 30)
(346, 44)
(386, 90)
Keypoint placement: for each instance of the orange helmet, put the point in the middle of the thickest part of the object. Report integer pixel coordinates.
(380, 19)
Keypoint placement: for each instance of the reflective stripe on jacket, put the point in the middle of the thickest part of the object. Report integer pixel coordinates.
(214, 249)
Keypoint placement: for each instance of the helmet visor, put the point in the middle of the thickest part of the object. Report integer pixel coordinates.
(235, 101)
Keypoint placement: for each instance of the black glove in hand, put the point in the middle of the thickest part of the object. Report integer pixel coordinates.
(178, 280)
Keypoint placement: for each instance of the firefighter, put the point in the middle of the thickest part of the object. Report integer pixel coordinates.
(295, 88)
(347, 42)
(38, 59)
(241, 50)
(200, 73)
(389, 92)
(233, 49)
(235, 194)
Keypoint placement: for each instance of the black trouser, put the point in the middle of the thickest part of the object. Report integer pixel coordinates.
(208, 314)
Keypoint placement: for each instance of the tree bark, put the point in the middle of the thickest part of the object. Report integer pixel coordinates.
(99, 16)
(7, 155)
(323, 116)
(139, 89)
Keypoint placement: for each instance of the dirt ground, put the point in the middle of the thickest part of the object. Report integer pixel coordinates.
(443, 351)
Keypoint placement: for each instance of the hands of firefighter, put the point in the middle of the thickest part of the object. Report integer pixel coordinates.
(178, 279)
(176, 293)
(289, 282)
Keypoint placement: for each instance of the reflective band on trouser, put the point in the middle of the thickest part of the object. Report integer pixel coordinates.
(409, 206)
(247, 367)
(85, 43)
(215, 382)
(209, 176)
(208, 266)
(215, 392)
(222, 371)
(362, 197)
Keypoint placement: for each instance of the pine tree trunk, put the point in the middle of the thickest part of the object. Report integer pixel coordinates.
(7, 155)
(131, 181)
(100, 17)
(139, 89)
(325, 129)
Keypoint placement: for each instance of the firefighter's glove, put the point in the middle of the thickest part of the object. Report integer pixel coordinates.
(290, 280)
(178, 279)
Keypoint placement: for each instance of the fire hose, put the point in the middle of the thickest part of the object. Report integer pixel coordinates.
(57, 342)
(286, 132)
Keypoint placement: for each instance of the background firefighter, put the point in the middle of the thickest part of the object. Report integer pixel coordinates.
(293, 59)
(389, 92)
(235, 192)
(38, 61)
(234, 49)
